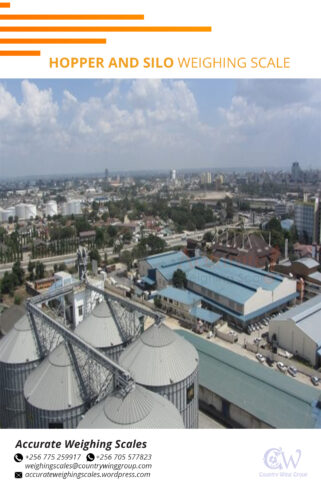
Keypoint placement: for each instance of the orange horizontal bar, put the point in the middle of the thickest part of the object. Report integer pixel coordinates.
(63, 17)
(4, 5)
(93, 29)
(51, 41)
(19, 53)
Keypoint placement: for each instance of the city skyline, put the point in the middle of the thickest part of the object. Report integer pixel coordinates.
(83, 126)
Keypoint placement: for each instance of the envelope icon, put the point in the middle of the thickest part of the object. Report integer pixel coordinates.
(18, 475)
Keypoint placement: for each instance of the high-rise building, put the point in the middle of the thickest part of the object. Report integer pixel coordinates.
(307, 220)
(296, 172)
(206, 178)
(172, 175)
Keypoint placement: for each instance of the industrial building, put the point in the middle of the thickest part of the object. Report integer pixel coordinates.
(246, 394)
(53, 372)
(242, 294)
(299, 331)
(157, 271)
(165, 363)
(305, 268)
(249, 249)
(187, 307)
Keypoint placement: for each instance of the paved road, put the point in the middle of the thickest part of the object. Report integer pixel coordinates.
(70, 258)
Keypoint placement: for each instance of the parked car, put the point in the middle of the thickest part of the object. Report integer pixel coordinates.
(315, 380)
(265, 335)
(269, 361)
(260, 357)
(257, 340)
(292, 371)
(281, 366)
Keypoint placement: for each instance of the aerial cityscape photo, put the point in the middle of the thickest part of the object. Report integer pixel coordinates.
(160, 253)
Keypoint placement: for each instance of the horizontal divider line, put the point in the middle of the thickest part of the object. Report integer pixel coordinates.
(106, 28)
(62, 17)
(51, 41)
(19, 53)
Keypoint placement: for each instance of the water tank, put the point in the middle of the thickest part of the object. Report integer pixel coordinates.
(51, 208)
(52, 392)
(164, 362)
(6, 213)
(18, 357)
(20, 211)
(100, 330)
(140, 408)
(30, 211)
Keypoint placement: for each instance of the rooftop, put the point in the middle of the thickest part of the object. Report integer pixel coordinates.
(163, 259)
(234, 281)
(167, 270)
(307, 262)
(307, 317)
(180, 295)
(272, 397)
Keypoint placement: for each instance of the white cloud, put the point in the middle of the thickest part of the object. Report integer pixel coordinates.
(152, 122)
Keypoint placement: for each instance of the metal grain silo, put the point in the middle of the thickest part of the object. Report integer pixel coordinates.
(140, 408)
(18, 357)
(52, 393)
(166, 363)
(100, 330)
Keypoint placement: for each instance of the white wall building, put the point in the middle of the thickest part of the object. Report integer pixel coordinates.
(299, 330)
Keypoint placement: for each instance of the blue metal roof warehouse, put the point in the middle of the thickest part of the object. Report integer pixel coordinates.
(241, 292)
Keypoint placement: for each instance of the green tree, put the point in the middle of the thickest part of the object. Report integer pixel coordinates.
(179, 279)
(8, 283)
(94, 255)
(40, 270)
(126, 258)
(18, 271)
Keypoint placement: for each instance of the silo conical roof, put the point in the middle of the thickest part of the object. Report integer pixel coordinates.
(100, 329)
(140, 408)
(18, 345)
(53, 385)
(159, 357)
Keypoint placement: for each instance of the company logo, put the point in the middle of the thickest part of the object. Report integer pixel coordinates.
(275, 458)
(280, 463)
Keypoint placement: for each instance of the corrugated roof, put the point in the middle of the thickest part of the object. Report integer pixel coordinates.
(53, 385)
(148, 280)
(307, 317)
(99, 328)
(19, 345)
(310, 263)
(233, 280)
(167, 270)
(140, 408)
(165, 258)
(205, 315)
(159, 357)
(315, 276)
(276, 399)
(180, 295)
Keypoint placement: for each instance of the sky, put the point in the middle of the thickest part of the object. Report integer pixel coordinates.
(83, 126)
